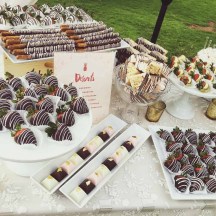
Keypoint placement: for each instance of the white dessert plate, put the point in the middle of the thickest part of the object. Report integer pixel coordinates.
(133, 130)
(16, 61)
(162, 155)
(111, 120)
(192, 89)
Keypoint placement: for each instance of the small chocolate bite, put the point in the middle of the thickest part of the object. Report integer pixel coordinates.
(128, 145)
(87, 186)
(6, 94)
(25, 104)
(59, 174)
(12, 119)
(33, 77)
(110, 163)
(84, 153)
(79, 106)
(104, 136)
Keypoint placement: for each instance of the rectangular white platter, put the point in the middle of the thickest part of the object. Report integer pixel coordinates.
(162, 155)
(133, 130)
(16, 61)
(51, 166)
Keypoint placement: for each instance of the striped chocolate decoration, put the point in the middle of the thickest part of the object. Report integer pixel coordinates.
(25, 104)
(62, 133)
(26, 137)
(40, 118)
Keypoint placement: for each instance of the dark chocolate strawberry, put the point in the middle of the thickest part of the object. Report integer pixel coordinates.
(14, 82)
(25, 104)
(212, 169)
(51, 81)
(3, 84)
(65, 116)
(40, 90)
(33, 77)
(191, 136)
(200, 170)
(194, 159)
(24, 136)
(181, 183)
(29, 92)
(179, 156)
(5, 104)
(188, 148)
(172, 164)
(205, 138)
(187, 169)
(165, 135)
(62, 94)
(178, 134)
(6, 94)
(213, 137)
(210, 184)
(72, 90)
(79, 105)
(206, 158)
(38, 118)
(196, 184)
(202, 148)
(45, 104)
(172, 146)
(58, 132)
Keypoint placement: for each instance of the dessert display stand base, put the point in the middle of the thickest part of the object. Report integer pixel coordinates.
(181, 108)
(21, 69)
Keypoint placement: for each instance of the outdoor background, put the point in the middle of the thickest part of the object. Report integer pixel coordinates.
(136, 18)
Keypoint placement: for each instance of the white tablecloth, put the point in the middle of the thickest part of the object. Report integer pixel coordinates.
(139, 188)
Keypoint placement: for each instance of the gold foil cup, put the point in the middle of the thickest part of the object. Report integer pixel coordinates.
(155, 111)
(211, 111)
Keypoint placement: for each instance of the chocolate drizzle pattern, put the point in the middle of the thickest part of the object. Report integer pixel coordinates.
(15, 83)
(188, 149)
(25, 104)
(205, 138)
(67, 118)
(12, 119)
(181, 183)
(173, 165)
(62, 94)
(5, 104)
(33, 77)
(62, 133)
(26, 137)
(191, 136)
(40, 118)
(196, 184)
(45, 104)
(79, 105)
(72, 90)
(6, 94)
(40, 90)
(211, 185)
(51, 81)
(30, 92)
(187, 170)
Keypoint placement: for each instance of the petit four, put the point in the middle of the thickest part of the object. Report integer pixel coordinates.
(59, 174)
(49, 183)
(78, 194)
(68, 166)
(128, 145)
(110, 163)
(87, 186)
(94, 144)
(120, 154)
(76, 159)
(84, 153)
(104, 135)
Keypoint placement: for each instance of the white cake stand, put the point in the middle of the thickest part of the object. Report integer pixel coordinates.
(25, 160)
(183, 108)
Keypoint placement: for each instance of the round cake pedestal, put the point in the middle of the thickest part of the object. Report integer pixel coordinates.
(181, 108)
(24, 169)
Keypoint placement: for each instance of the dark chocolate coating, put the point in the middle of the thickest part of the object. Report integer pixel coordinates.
(51, 81)
(128, 145)
(4, 104)
(62, 133)
(15, 83)
(59, 174)
(87, 186)
(104, 136)
(67, 118)
(45, 104)
(80, 106)
(40, 90)
(30, 92)
(62, 94)
(110, 163)
(1, 125)
(25, 104)
(40, 118)
(72, 90)
(6, 94)
(26, 137)
(83, 153)
(33, 77)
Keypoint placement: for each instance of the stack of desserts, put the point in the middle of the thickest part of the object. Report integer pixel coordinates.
(38, 102)
(41, 43)
(194, 73)
(77, 159)
(39, 17)
(80, 192)
(191, 160)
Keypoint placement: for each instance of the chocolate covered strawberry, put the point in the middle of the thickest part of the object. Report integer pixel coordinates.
(178, 134)
(191, 136)
(172, 146)
(178, 72)
(212, 169)
(213, 137)
(187, 169)
(188, 148)
(205, 138)
(200, 170)
(179, 156)
(194, 159)
(209, 77)
(207, 158)
(165, 135)
(65, 116)
(181, 183)
(210, 184)
(202, 148)
(45, 104)
(23, 136)
(172, 164)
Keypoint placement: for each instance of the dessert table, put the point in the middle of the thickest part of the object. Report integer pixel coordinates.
(139, 188)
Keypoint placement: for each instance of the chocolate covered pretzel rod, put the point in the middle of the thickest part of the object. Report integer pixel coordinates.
(99, 42)
(81, 36)
(40, 43)
(34, 56)
(98, 37)
(85, 31)
(80, 26)
(45, 49)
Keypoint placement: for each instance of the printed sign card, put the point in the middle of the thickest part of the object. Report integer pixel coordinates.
(91, 73)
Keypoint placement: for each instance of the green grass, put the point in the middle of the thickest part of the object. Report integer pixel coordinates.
(136, 18)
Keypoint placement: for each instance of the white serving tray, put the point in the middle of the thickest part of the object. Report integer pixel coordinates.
(162, 155)
(133, 130)
(51, 166)
(16, 61)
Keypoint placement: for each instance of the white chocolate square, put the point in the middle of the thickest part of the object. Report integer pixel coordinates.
(49, 183)
(78, 194)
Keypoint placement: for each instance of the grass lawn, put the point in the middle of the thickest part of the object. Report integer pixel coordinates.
(137, 18)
